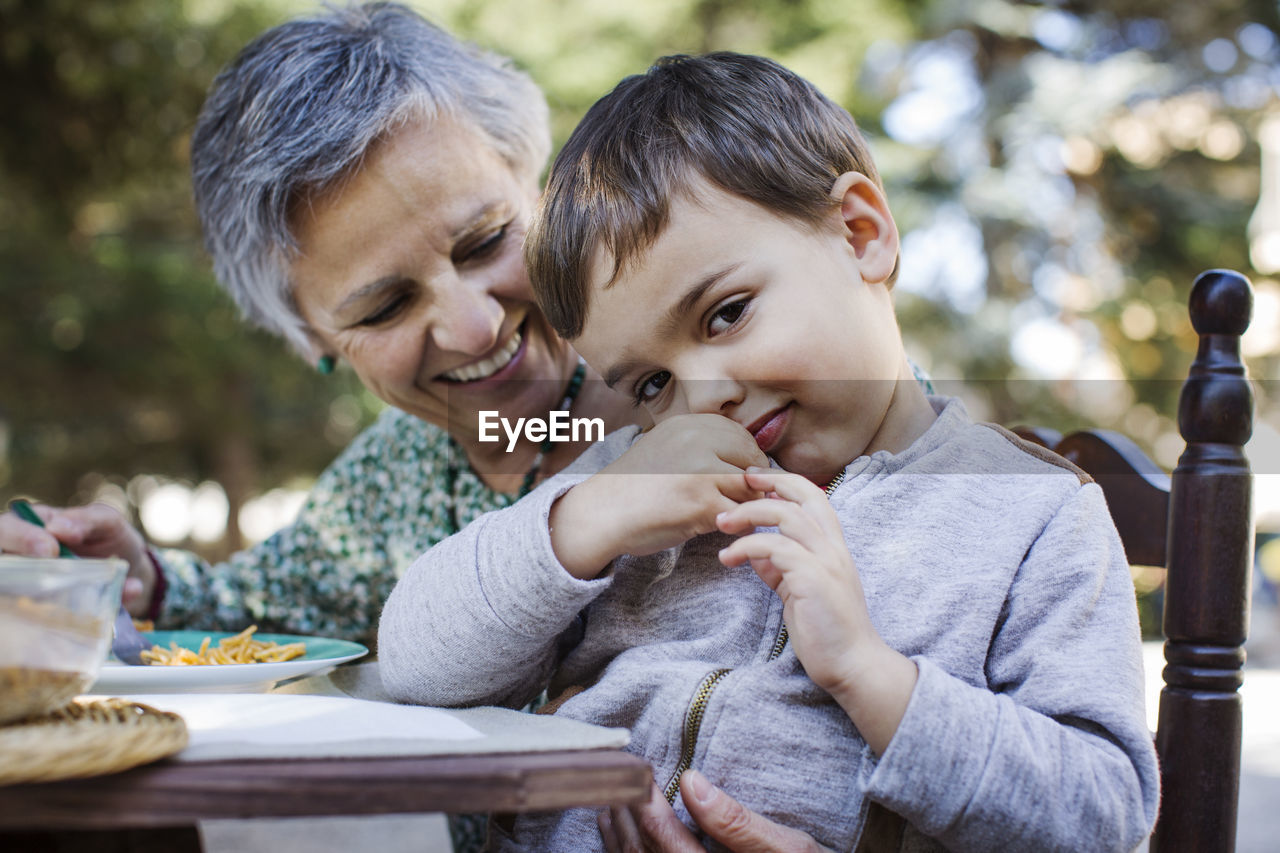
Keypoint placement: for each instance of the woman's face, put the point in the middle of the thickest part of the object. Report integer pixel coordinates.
(411, 270)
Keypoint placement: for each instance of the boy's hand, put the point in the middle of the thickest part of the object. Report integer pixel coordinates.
(667, 488)
(808, 565)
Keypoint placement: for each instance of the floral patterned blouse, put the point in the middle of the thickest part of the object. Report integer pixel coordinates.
(401, 486)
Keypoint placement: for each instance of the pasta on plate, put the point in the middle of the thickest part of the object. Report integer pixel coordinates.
(241, 648)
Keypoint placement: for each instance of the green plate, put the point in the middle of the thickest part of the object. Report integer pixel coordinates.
(322, 653)
(318, 648)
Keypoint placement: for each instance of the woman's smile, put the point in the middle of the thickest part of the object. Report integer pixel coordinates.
(491, 366)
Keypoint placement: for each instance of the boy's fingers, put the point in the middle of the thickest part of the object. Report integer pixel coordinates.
(814, 527)
(731, 441)
(789, 486)
(794, 489)
(766, 571)
(741, 450)
(745, 457)
(737, 492)
(734, 487)
(788, 517)
(780, 553)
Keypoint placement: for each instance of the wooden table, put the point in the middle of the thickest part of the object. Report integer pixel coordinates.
(156, 807)
(143, 807)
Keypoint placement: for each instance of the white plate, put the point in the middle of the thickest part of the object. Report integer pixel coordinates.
(322, 654)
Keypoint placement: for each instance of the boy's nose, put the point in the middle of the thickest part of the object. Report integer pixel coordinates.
(713, 396)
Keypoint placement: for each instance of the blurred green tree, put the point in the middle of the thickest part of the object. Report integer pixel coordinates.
(1108, 157)
(121, 354)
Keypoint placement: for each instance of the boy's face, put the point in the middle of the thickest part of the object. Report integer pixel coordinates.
(785, 328)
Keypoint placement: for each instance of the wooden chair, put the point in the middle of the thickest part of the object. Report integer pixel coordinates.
(1199, 525)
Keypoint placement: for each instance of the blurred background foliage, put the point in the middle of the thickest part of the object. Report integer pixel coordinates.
(1060, 173)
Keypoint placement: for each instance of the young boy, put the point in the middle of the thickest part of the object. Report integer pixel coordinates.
(920, 617)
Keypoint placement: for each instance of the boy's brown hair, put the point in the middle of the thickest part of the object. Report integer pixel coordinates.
(744, 123)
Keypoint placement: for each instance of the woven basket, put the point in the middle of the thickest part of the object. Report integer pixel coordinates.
(88, 738)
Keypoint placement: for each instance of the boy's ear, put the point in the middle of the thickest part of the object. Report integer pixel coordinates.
(868, 225)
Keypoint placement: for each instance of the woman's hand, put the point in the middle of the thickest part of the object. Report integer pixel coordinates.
(654, 826)
(807, 563)
(96, 530)
(665, 489)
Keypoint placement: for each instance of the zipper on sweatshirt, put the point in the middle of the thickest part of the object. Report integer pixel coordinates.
(780, 642)
(697, 708)
(692, 723)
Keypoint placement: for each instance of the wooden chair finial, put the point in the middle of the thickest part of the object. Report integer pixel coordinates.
(1216, 405)
(1210, 555)
(1221, 303)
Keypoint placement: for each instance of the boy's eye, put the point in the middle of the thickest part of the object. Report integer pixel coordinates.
(651, 387)
(725, 316)
(485, 247)
(387, 311)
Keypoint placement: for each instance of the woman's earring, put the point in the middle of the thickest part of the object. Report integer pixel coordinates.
(325, 364)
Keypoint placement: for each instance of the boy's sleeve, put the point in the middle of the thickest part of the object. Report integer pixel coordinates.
(1053, 753)
(476, 619)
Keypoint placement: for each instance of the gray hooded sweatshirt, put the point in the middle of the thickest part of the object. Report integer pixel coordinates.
(992, 564)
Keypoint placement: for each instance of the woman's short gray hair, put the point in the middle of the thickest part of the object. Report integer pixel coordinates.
(298, 109)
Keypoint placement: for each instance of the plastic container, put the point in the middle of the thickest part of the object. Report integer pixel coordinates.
(56, 619)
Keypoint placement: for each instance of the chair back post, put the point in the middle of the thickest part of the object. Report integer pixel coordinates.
(1210, 554)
